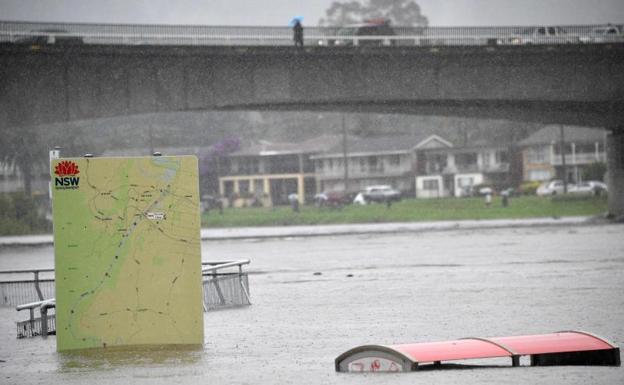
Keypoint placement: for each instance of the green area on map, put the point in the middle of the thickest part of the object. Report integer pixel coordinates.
(127, 251)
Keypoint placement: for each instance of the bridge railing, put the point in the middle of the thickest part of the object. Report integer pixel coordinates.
(125, 34)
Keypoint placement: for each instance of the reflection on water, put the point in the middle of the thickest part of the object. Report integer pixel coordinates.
(129, 356)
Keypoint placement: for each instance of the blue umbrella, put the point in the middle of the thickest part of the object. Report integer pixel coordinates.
(294, 21)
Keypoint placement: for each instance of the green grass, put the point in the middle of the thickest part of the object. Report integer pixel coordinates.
(408, 210)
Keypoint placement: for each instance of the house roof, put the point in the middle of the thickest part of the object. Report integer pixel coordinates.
(265, 148)
(552, 133)
(385, 144)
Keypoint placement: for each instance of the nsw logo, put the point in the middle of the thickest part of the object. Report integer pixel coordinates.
(66, 175)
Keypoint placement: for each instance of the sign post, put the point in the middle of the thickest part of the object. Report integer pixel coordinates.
(127, 251)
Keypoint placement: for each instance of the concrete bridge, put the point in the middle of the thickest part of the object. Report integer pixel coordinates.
(579, 84)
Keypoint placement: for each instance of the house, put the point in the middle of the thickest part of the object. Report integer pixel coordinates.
(542, 155)
(445, 170)
(268, 172)
(389, 160)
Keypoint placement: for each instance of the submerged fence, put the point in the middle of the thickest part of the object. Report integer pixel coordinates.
(224, 285)
(225, 289)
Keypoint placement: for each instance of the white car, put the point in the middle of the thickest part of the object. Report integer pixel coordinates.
(604, 34)
(542, 35)
(553, 187)
(381, 193)
(589, 188)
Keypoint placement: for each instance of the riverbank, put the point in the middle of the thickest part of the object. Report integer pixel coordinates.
(208, 234)
(410, 210)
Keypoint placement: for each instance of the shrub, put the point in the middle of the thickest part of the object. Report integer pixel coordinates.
(529, 187)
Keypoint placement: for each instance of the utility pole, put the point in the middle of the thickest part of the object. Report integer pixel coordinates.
(344, 153)
(563, 160)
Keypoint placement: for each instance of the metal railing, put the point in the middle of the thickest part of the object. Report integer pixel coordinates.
(126, 34)
(41, 326)
(223, 288)
(24, 286)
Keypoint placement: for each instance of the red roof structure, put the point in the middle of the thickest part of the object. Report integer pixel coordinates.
(562, 348)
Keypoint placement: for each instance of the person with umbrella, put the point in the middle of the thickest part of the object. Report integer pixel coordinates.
(297, 30)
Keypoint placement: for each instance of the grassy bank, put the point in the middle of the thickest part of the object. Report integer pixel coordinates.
(408, 210)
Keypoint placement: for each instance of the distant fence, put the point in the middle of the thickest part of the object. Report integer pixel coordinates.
(126, 34)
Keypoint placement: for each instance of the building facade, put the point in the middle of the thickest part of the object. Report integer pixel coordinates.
(543, 158)
(372, 161)
(267, 173)
(448, 171)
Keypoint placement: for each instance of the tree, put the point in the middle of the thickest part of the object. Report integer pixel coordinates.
(210, 163)
(405, 13)
(595, 171)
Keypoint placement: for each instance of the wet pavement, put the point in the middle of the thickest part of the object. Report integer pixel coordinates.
(315, 297)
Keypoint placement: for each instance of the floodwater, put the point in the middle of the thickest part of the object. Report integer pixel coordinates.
(379, 289)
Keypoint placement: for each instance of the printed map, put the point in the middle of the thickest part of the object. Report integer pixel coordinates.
(127, 251)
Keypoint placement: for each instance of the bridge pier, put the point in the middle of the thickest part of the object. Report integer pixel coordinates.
(615, 167)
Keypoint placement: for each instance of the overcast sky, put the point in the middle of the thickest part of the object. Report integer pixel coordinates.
(279, 12)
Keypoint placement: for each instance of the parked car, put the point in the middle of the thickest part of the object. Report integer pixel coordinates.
(604, 34)
(381, 193)
(333, 198)
(589, 188)
(370, 31)
(359, 199)
(542, 35)
(553, 187)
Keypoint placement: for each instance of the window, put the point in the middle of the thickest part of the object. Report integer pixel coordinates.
(502, 157)
(538, 154)
(486, 158)
(243, 187)
(330, 165)
(465, 181)
(466, 159)
(432, 184)
(362, 164)
(539, 175)
(258, 186)
(228, 188)
(395, 160)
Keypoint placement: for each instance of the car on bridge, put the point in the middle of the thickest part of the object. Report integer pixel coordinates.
(605, 34)
(541, 35)
(377, 32)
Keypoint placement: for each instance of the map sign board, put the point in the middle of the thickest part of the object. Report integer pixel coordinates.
(127, 251)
